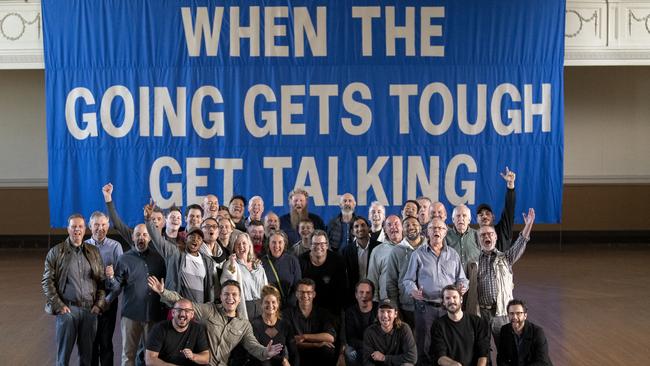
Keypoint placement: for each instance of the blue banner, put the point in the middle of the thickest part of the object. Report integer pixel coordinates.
(174, 100)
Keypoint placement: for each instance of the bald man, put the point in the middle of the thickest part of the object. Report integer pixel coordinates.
(339, 229)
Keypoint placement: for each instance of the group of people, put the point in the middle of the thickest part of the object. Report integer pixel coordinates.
(230, 289)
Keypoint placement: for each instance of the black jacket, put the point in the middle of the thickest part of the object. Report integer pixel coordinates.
(350, 256)
(334, 232)
(534, 346)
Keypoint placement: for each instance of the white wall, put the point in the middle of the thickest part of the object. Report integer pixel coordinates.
(607, 126)
(23, 147)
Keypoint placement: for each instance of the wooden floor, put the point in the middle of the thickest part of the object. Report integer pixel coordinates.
(593, 302)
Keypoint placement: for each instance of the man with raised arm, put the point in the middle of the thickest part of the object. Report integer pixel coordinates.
(495, 281)
(225, 329)
(503, 228)
(190, 272)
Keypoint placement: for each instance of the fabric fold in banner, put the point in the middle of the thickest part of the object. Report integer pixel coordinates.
(181, 99)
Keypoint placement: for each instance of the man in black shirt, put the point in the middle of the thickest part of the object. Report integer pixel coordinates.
(389, 341)
(521, 342)
(357, 319)
(327, 269)
(179, 341)
(458, 338)
(313, 326)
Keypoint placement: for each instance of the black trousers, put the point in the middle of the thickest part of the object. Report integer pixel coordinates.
(103, 344)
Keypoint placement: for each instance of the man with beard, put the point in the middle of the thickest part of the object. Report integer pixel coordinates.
(236, 209)
(314, 327)
(377, 215)
(190, 272)
(210, 206)
(458, 338)
(398, 260)
(256, 231)
(73, 285)
(431, 267)
(178, 341)
(389, 341)
(298, 199)
(339, 229)
(357, 255)
(521, 342)
(377, 268)
(424, 214)
(463, 238)
(503, 228)
(226, 329)
(327, 270)
(141, 308)
(255, 209)
(271, 224)
(495, 282)
(110, 251)
(357, 319)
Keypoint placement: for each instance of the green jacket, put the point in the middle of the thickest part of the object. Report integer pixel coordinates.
(57, 263)
(223, 336)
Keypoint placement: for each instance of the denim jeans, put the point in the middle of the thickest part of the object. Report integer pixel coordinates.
(78, 326)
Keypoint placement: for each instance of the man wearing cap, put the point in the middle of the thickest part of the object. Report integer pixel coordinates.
(190, 272)
(503, 228)
(431, 267)
(389, 342)
(141, 308)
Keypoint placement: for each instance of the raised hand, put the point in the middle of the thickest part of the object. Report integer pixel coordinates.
(107, 191)
(509, 176)
(148, 209)
(528, 221)
(156, 285)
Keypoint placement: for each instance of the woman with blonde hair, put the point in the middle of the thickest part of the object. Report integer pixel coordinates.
(271, 327)
(246, 269)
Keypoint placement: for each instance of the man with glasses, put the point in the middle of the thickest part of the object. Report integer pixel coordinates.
(314, 327)
(328, 271)
(179, 341)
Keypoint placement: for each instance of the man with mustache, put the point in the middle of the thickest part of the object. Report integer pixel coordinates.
(110, 251)
(377, 268)
(298, 202)
(179, 341)
(190, 272)
(495, 281)
(521, 342)
(141, 308)
(503, 228)
(431, 267)
(339, 229)
(458, 338)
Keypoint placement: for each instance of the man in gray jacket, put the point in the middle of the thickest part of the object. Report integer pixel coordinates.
(225, 329)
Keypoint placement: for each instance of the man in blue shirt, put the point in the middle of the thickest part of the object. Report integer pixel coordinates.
(110, 251)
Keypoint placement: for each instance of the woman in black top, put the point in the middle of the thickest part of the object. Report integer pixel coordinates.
(271, 327)
(282, 269)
